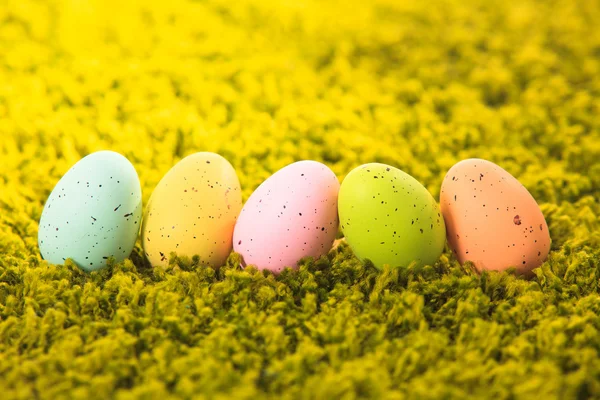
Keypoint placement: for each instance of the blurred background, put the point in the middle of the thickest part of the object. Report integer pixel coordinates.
(264, 83)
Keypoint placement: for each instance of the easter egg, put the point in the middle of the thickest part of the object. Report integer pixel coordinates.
(388, 217)
(291, 215)
(93, 213)
(192, 211)
(491, 218)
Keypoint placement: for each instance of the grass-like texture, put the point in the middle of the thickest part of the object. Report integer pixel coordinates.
(418, 85)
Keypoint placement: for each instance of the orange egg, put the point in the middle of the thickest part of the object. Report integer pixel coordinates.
(193, 211)
(491, 218)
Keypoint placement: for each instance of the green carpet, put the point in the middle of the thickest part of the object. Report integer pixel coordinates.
(418, 85)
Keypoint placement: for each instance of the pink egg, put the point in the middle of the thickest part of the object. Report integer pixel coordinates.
(291, 215)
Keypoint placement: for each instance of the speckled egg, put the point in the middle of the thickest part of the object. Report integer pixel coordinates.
(291, 215)
(388, 217)
(193, 211)
(491, 218)
(93, 213)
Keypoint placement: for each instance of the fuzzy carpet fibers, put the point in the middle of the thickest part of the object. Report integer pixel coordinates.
(418, 85)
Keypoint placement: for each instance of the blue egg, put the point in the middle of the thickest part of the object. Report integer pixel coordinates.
(93, 213)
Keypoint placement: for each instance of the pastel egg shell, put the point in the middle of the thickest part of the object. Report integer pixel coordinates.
(93, 213)
(291, 215)
(388, 217)
(193, 211)
(491, 218)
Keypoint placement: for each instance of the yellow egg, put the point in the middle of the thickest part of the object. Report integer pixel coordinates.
(193, 211)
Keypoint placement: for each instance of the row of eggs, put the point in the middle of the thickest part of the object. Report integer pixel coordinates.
(95, 211)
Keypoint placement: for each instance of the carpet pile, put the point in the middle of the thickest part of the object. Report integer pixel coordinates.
(417, 85)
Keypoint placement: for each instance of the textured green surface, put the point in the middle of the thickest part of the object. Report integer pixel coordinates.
(417, 85)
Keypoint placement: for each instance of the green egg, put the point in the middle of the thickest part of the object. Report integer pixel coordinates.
(388, 217)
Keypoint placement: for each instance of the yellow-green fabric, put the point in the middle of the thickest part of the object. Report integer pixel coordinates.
(418, 85)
